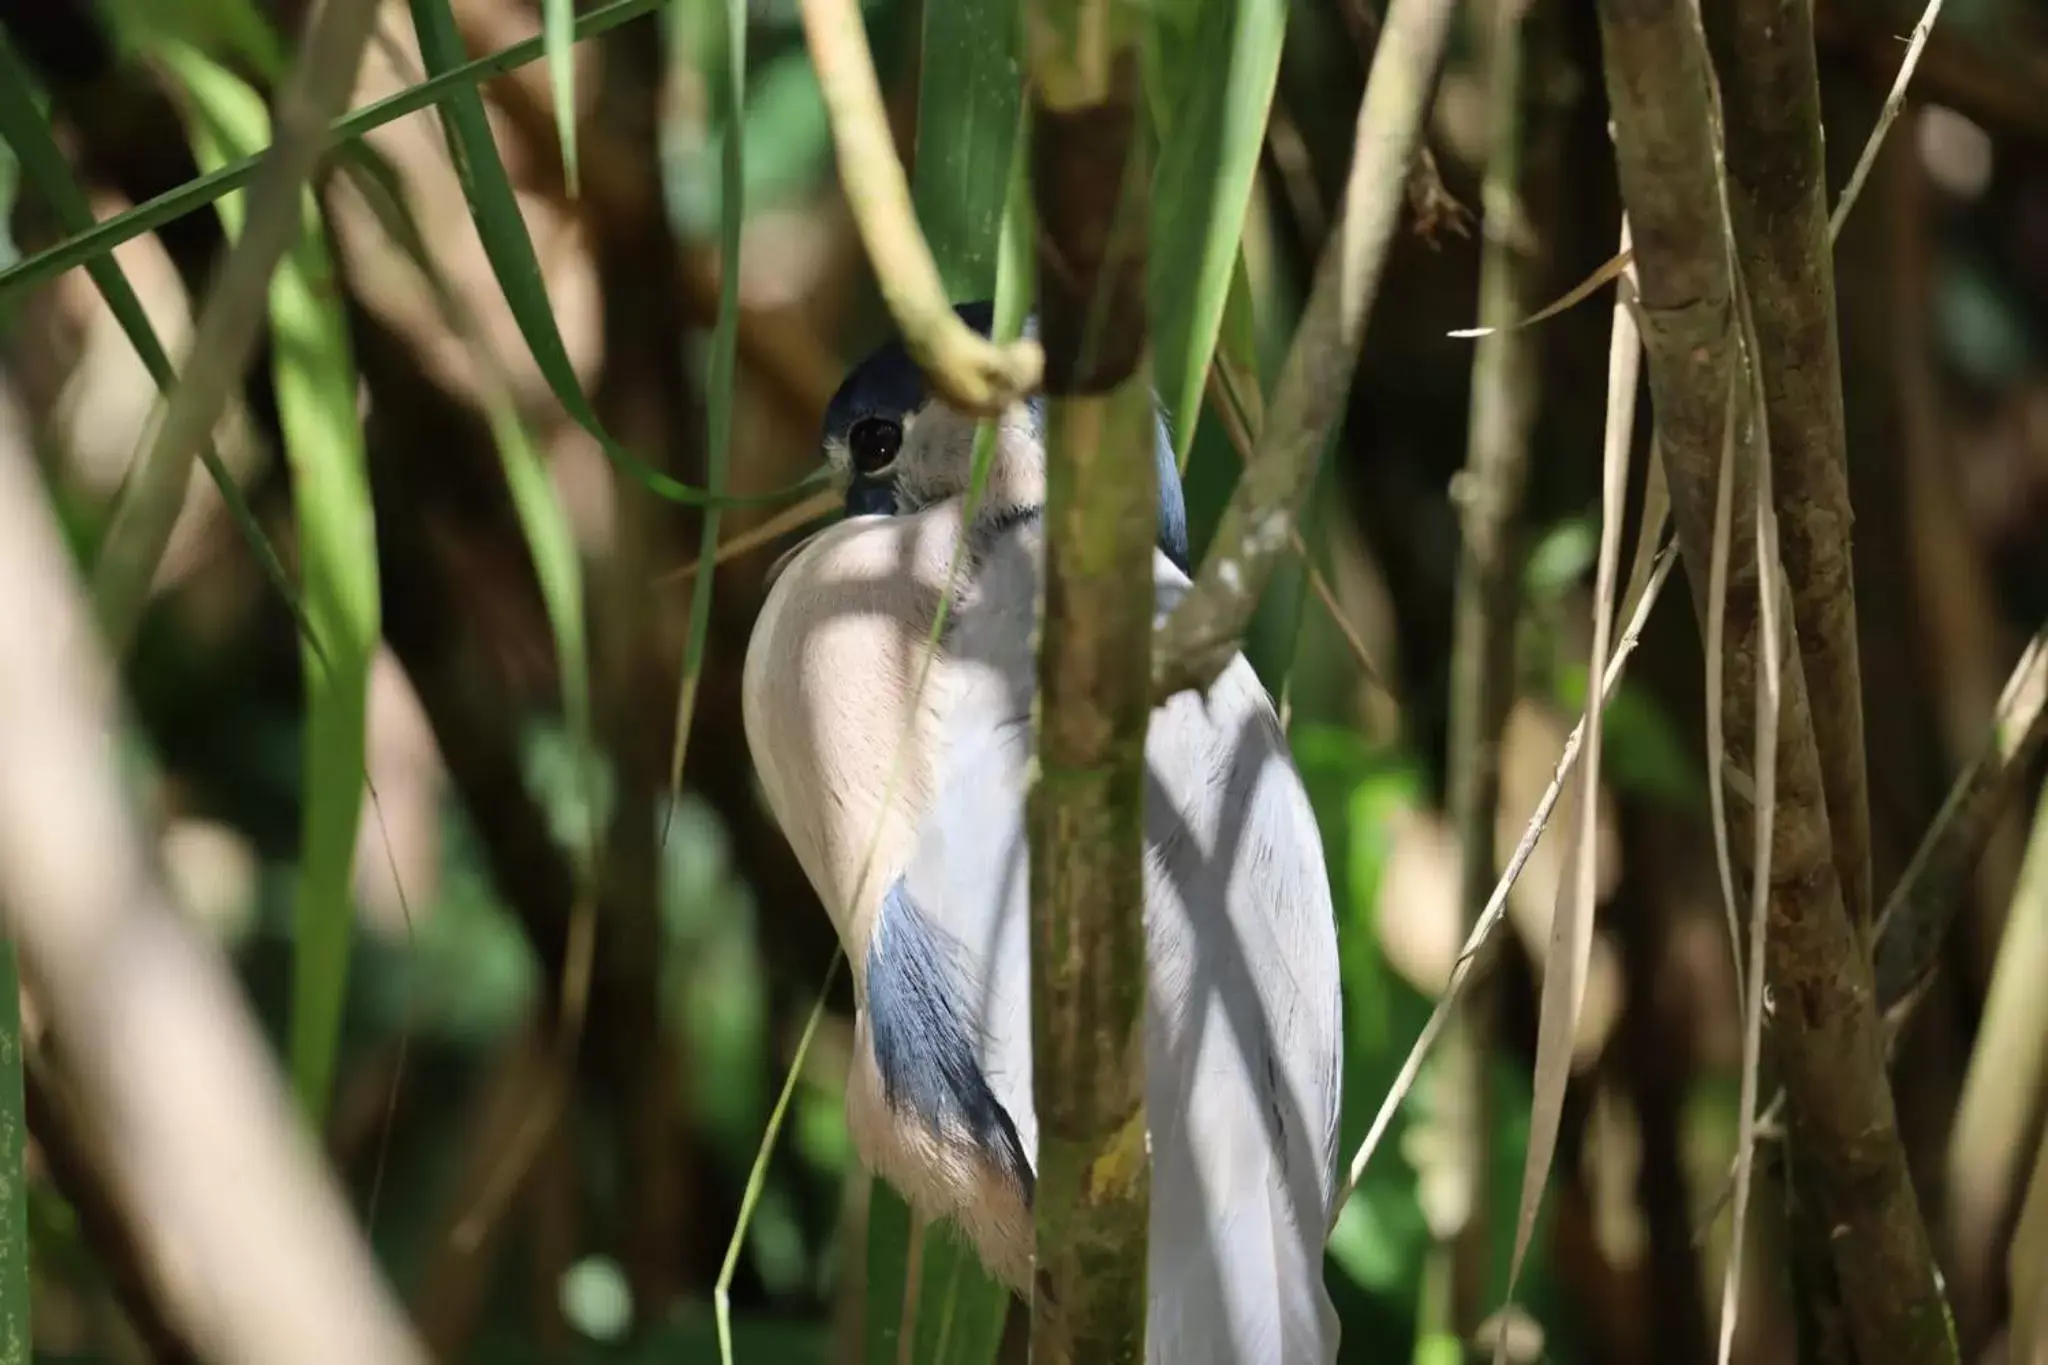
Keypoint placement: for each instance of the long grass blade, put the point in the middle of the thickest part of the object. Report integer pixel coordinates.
(792, 518)
(198, 193)
(557, 567)
(316, 396)
(1209, 154)
(757, 1176)
(721, 394)
(229, 318)
(1613, 268)
(502, 228)
(23, 128)
(558, 36)
(1237, 352)
(1894, 101)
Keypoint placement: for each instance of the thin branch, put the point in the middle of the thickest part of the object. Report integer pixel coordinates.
(232, 318)
(1241, 421)
(1568, 956)
(1993, 71)
(1200, 637)
(1777, 199)
(1489, 495)
(1894, 102)
(967, 369)
(1858, 1206)
(260, 1259)
(1434, 206)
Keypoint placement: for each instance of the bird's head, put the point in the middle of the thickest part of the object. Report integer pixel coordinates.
(902, 448)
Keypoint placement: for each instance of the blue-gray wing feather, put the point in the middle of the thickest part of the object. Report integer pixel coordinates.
(925, 1026)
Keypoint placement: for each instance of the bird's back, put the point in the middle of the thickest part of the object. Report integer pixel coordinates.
(1243, 1041)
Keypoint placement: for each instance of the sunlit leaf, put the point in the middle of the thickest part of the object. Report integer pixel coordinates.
(1213, 127)
(558, 34)
(721, 387)
(970, 87)
(315, 377)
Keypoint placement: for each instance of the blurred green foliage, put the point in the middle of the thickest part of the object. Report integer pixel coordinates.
(461, 981)
(449, 993)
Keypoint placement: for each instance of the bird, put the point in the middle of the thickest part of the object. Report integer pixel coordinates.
(905, 805)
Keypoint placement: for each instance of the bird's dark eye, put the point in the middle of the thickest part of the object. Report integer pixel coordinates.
(873, 442)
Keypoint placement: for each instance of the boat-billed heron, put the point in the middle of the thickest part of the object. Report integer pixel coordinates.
(907, 813)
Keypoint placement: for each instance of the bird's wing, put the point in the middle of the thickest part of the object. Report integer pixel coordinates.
(965, 889)
(1243, 1031)
(829, 697)
(848, 752)
(1244, 1052)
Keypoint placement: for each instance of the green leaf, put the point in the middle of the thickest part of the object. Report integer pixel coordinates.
(959, 1308)
(494, 207)
(757, 1177)
(970, 94)
(23, 127)
(228, 31)
(721, 394)
(558, 35)
(198, 193)
(543, 522)
(1212, 123)
(1239, 342)
(788, 133)
(315, 377)
(1014, 287)
(551, 544)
